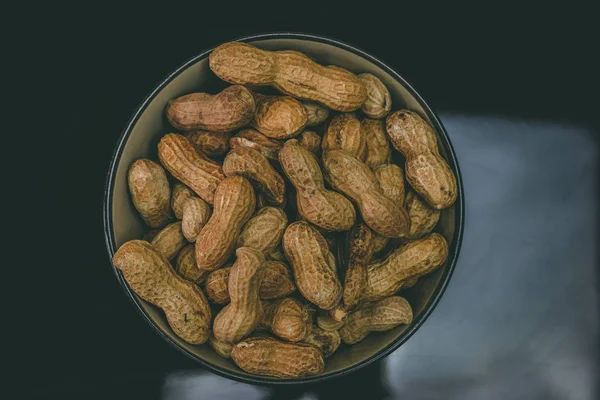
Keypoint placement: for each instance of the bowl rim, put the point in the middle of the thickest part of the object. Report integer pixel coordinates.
(454, 246)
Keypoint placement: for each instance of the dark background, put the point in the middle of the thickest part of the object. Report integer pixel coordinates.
(77, 335)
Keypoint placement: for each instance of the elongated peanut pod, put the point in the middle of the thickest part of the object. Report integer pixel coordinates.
(150, 192)
(170, 240)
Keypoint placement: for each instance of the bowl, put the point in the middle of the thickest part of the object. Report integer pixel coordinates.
(148, 124)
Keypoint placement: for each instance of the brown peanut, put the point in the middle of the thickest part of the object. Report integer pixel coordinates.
(315, 112)
(277, 255)
(264, 230)
(326, 322)
(234, 205)
(313, 265)
(286, 318)
(379, 101)
(221, 348)
(179, 194)
(423, 218)
(179, 157)
(150, 192)
(149, 235)
(228, 110)
(290, 72)
(310, 140)
(256, 140)
(378, 147)
(252, 165)
(352, 177)
(426, 170)
(361, 245)
(272, 357)
(412, 260)
(244, 311)
(382, 316)
(380, 242)
(279, 117)
(170, 240)
(151, 277)
(195, 215)
(326, 341)
(391, 180)
(344, 132)
(185, 266)
(324, 208)
(212, 144)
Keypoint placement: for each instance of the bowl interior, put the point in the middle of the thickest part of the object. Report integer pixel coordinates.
(151, 126)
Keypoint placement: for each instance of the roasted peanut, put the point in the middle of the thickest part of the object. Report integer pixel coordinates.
(324, 208)
(310, 140)
(244, 311)
(278, 117)
(221, 348)
(179, 157)
(352, 177)
(344, 132)
(423, 218)
(426, 170)
(361, 245)
(286, 318)
(380, 242)
(379, 101)
(234, 205)
(412, 260)
(151, 277)
(252, 165)
(256, 140)
(315, 112)
(216, 285)
(195, 215)
(210, 143)
(326, 322)
(150, 192)
(149, 235)
(170, 240)
(391, 181)
(313, 265)
(326, 341)
(185, 266)
(277, 255)
(382, 316)
(378, 147)
(264, 230)
(290, 72)
(228, 110)
(179, 194)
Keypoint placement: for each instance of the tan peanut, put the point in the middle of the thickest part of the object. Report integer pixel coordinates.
(210, 143)
(228, 110)
(326, 322)
(252, 165)
(379, 101)
(150, 192)
(423, 217)
(361, 245)
(250, 138)
(234, 205)
(185, 266)
(412, 260)
(179, 194)
(313, 265)
(151, 234)
(381, 316)
(151, 277)
(277, 255)
(286, 318)
(170, 240)
(391, 180)
(379, 151)
(272, 357)
(244, 311)
(290, 72)
(264, 230)
(324, 208)
(380, 242)
(426, 170)
(195, 215)
(326, 341)
(344, 132)
(221, 348)
(310, 140)
(352, 177)
(179, 157)
(315, 112)
(278, 117)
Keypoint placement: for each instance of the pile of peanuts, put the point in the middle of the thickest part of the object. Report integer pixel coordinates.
(279, 225)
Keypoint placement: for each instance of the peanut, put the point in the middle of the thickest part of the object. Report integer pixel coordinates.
(324, 208)
(423, 218)
(344, 132)
(385, 277)
(150, 192)
(256, 140)
(195, 215)
(352, 177)
(170, 240)
(311, 141)
(149, 235)
(244, 312)
(315, 112)
(151, 277)
(379, 101)
(179, 194)
(326, 341)
(210, 143)
(286, 318)
(290, 72)
(391, 181)
(228, 110)
(382, 316)
(380, 242)
(410, 283)
(279, 117)
(361, 244)
(185, 266)
(277, 255)
(326, 322)
(264, 230)
(221, 348)
(426, 170)
(313, 265)
(252, 165)
(378, 147)
(179, 157)
(234, 205)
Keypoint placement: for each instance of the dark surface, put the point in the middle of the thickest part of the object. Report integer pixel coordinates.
(516, 92)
